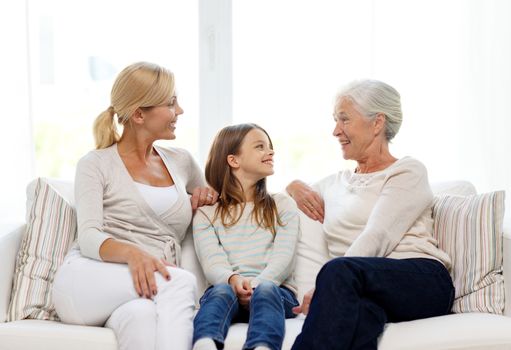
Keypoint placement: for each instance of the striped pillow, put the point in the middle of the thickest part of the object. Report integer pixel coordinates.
(470, 230)
(51, 228)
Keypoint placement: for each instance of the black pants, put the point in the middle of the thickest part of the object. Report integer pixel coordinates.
(355, 297)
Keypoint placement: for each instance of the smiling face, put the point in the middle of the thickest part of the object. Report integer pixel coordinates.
(254, 160)
(358, 135)
(160, 121)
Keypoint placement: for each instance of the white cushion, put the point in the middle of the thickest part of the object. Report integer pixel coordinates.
(470, 331)
(460, 188)
(311, 254)
(238, 333)
(190, 262)
(51, 335)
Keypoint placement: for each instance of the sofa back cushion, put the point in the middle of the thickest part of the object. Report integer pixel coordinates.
(50, 230)
(51, 227)
(458, 188)
(312, 254)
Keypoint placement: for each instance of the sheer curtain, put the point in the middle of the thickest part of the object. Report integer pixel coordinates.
(77, 49)
(58, 66)
(16, 145)
(450, 60)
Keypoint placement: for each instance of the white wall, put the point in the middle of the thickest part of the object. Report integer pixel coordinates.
(462, 115)
(16, 147)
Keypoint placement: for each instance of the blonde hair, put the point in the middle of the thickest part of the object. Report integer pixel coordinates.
(141, 84)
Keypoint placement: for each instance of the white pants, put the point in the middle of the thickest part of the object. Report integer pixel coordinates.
(96, 293)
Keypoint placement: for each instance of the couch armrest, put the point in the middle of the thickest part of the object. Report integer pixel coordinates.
(10, 239)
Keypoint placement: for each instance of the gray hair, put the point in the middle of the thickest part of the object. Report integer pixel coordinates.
(372, 97)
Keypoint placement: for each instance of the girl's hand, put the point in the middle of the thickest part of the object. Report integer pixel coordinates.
(203, 196)
(242, 288)
(304, 307)
(142, 267)
(307, 200)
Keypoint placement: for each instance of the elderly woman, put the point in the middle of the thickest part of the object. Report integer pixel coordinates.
(386, 266)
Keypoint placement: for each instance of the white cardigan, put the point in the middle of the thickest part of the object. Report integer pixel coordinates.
(108, 204)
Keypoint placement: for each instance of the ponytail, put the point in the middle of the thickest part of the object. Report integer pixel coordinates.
(105, 129)
(140, 84)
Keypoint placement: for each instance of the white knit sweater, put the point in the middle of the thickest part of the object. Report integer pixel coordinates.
(381, 214)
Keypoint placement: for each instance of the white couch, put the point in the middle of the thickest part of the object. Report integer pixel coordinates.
(456, 331)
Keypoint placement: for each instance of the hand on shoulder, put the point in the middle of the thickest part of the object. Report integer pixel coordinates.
(307, 200)
(203, 196)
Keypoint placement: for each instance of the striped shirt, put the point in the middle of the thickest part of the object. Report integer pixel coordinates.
(247, 249)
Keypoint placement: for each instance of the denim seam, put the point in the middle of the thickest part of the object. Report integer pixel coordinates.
(224, 321)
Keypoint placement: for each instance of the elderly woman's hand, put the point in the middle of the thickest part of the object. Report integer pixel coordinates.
(307, 200)
(203, 196)
(304, 307)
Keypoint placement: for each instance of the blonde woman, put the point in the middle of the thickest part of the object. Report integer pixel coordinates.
(133, 207)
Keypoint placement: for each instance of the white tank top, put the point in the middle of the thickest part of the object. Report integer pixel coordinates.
(160, 199)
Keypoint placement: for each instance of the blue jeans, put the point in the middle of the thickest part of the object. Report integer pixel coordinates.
(355, 297)
(269, 306)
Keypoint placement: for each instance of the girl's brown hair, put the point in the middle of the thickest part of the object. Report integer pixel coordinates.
(220, 177)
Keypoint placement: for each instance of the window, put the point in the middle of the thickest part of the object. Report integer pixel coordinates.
(76, 50)
(286, 70)
(446, 58)
(449, 60)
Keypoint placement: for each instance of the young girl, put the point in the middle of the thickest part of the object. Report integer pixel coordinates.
(246, 244)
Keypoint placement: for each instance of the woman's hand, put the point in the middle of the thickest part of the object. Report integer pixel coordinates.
(242, 288)
(203, 196)
(142, 267)
(307, 200)
(304, 307)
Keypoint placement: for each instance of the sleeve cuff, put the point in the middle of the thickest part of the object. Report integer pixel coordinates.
(224, 277)
(90, 247)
